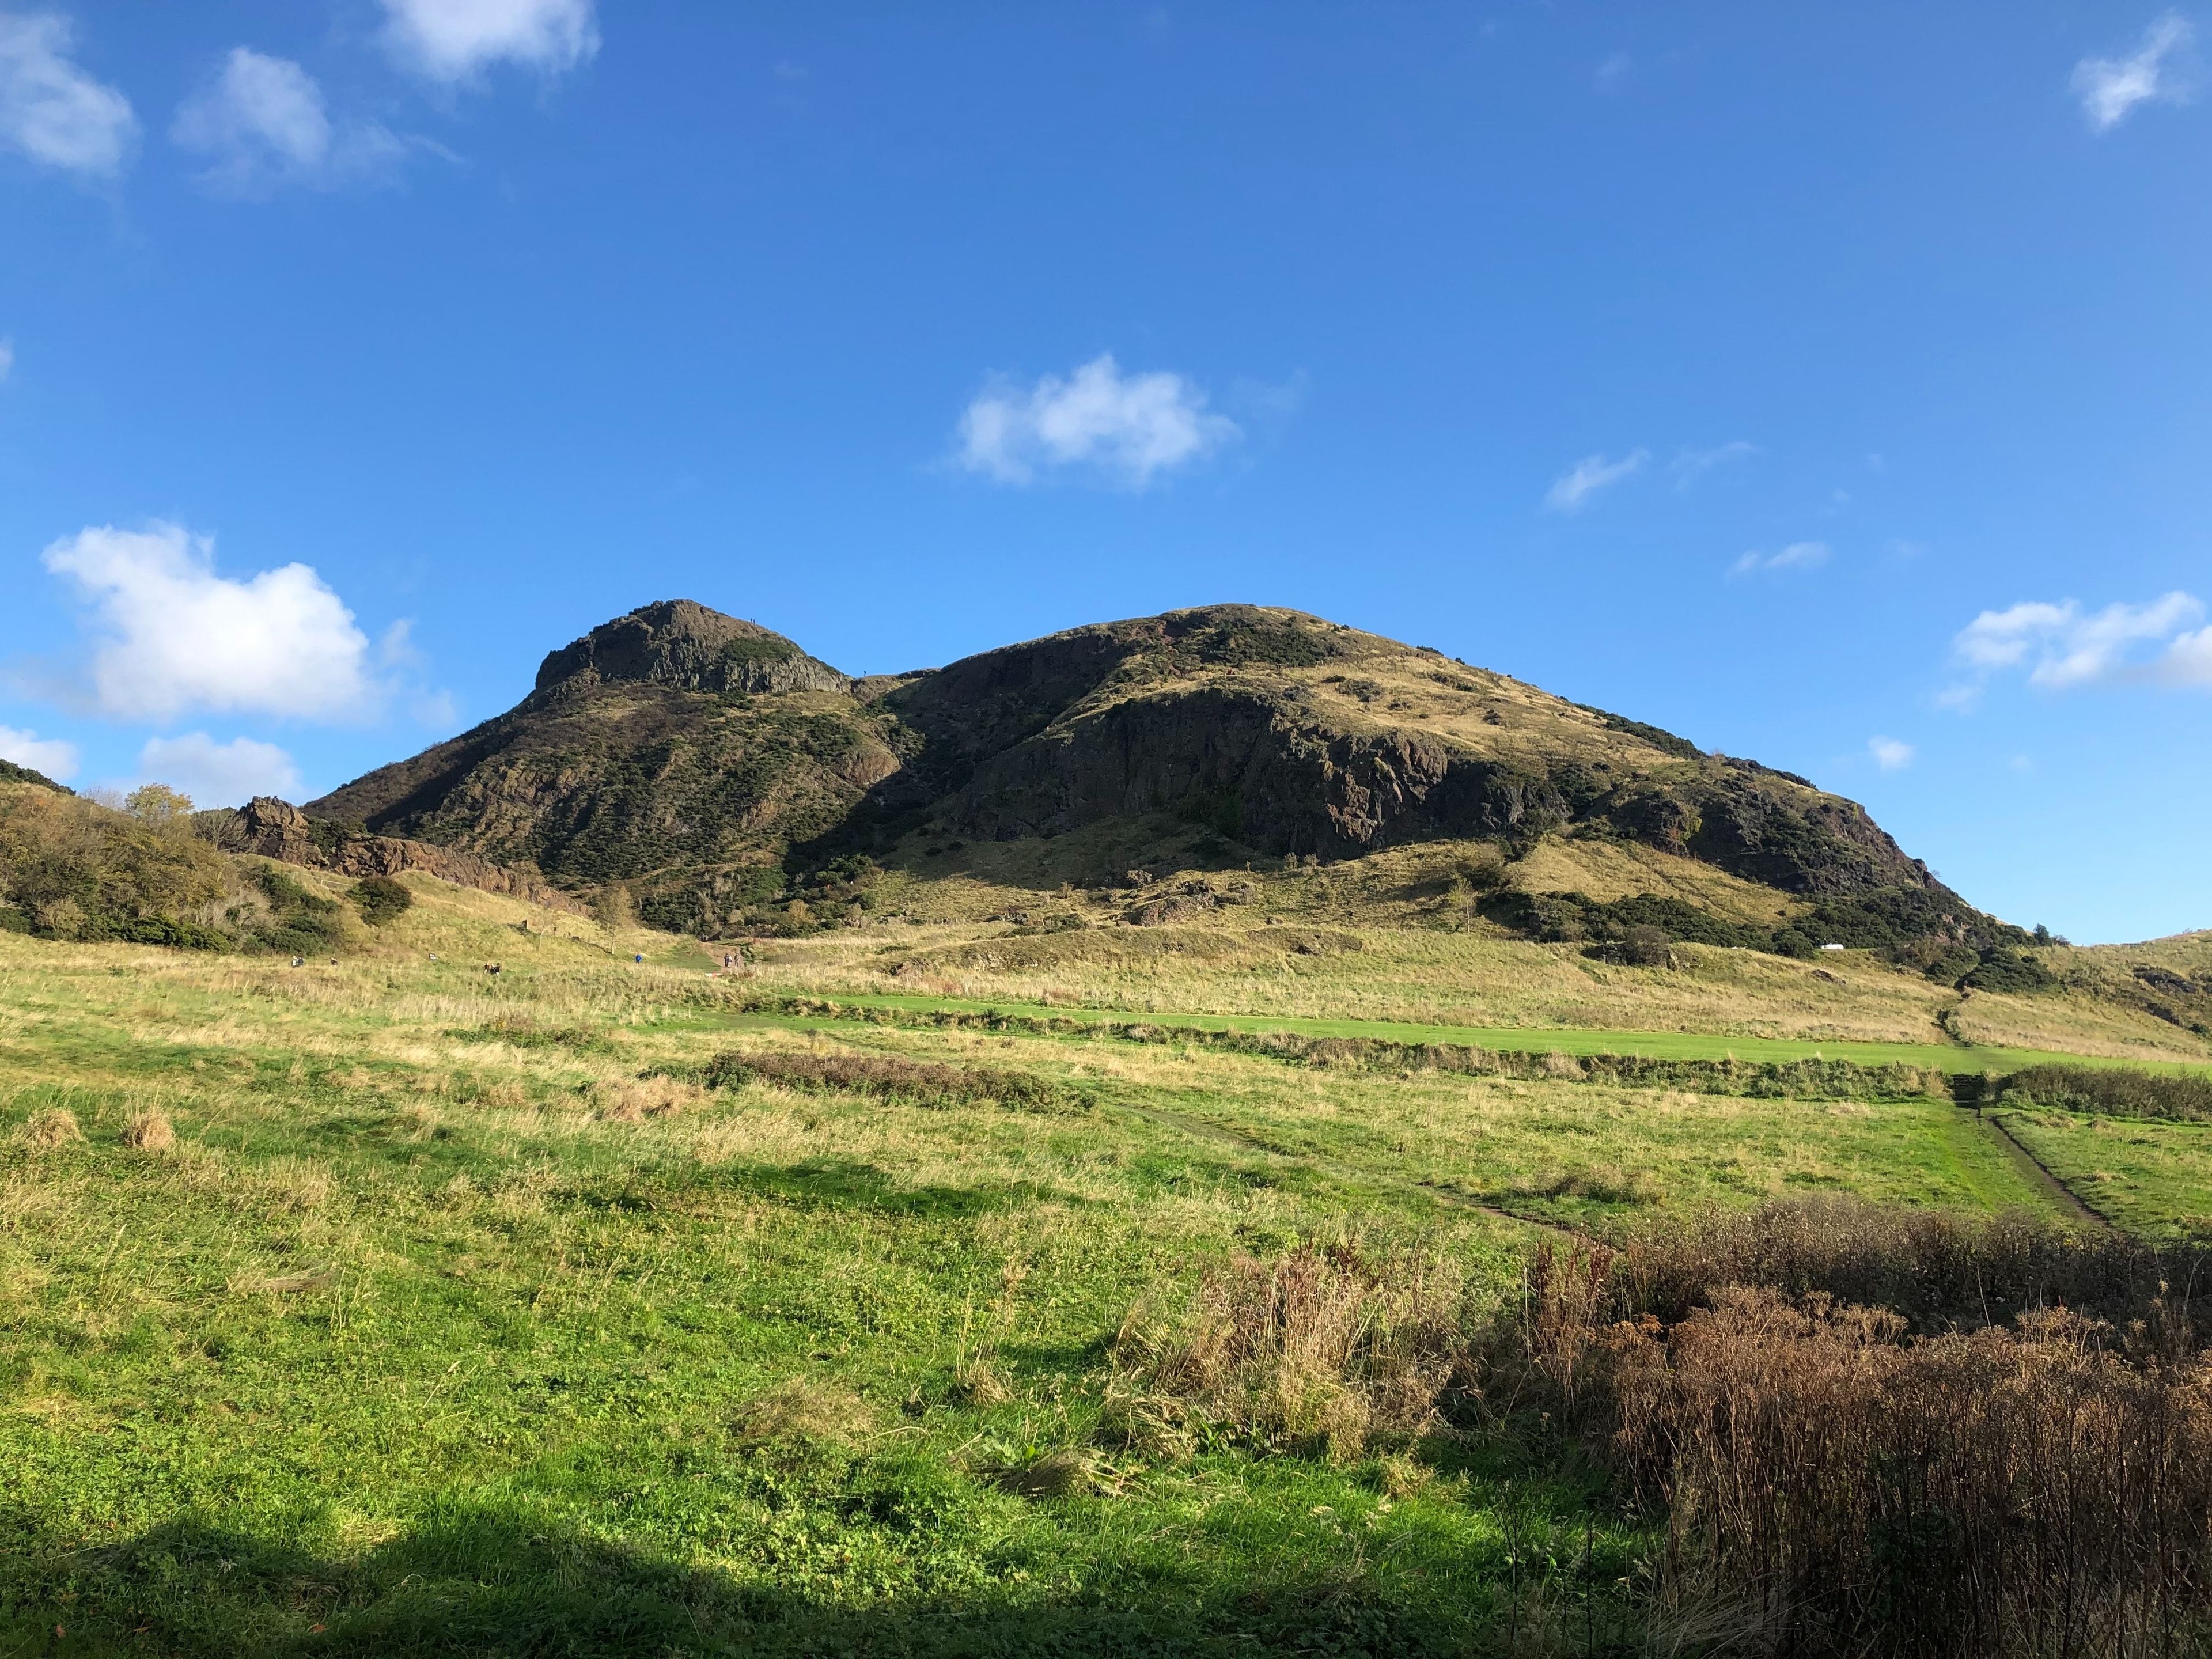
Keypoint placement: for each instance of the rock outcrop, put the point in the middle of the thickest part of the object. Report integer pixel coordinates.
(278, 829)
(683, 645)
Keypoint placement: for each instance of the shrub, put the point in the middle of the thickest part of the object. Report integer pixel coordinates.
(379, 899)
(72, 869)
(1321, 1348)
(916, 1082)
(1836, 1489)
(2116, 1090)
(2005, 969)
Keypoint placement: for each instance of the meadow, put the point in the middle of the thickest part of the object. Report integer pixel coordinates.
(393, 1305)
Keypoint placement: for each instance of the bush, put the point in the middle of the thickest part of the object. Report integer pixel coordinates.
(72, 869)
(1322, 1348)
(379, 899)
(915, 1082)
(1833, 1488)
(1638, 947)
(2116, 1090)
(2006, 970)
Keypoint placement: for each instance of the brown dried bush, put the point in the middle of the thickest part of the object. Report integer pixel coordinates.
(56, 1126)
(1834, 1486)
(1322, 1348)
(150, 1131)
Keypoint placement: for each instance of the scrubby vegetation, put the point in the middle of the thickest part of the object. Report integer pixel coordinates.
(379, 899)
(2119, 1091)
(72, 869)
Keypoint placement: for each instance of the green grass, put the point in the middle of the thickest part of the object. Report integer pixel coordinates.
(1658, 1045)
(2153, 1179)
(424, 1339)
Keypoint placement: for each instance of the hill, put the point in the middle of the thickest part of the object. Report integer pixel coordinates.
(728, 776)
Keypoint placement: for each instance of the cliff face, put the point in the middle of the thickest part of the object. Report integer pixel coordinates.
(697, 756)
(683, 645)
(278, 829)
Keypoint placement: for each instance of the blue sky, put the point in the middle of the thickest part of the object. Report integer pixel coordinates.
(1828, 384)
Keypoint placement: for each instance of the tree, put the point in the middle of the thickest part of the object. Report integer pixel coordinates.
(156, 803)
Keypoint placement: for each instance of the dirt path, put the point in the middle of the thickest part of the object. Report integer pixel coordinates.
(2040, 1174)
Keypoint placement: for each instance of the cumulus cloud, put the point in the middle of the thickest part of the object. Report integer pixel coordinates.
(2188, 661)
(219, 773)
(1130, 429)
(2062, 646)
(452, 40)
(51, 109)
(2111, 87)
(176, 636)
(1798, 555)
(56, 759)
(1889, 754)
(1571, 490)
(262, 121)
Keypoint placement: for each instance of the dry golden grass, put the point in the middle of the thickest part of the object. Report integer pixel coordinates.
(47, 1131)
(150, 1131)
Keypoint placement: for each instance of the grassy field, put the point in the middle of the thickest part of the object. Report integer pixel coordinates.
(2151, 1179)
(394, 1306)
(1661, 1045)
(1240, 965)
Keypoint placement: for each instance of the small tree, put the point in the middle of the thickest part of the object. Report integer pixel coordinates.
(614, 906)
(156, 803)
(380, 899)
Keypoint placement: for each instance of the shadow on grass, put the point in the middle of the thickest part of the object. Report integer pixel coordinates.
(485, 1580)
(843, 1184)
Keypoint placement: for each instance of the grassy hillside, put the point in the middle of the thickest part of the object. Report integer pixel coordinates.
(394, 1305)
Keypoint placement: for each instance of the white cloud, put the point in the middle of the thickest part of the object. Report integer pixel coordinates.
(7, 357)
(2187, 661)
(1889, 754)
(178, 636)
(1798, 555)
(1130, 428)
(56, 759)
(2062, 648)
(52, 110)
(1590, 475)
(452, 39)
(261, 121)
(1692, 464)
(218, 773)
(2109, 88)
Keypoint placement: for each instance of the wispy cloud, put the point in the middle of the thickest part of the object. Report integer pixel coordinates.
(172, 635)
(1798, 555)
(51, 109)
(1571, 490)
(1889, 754)
(219, 773)
(1692, 465)
(261, 121)
(454, 40)
(2111, 87)
(1128, 429)
(51, 756)
(2062, 646)
(7, 357)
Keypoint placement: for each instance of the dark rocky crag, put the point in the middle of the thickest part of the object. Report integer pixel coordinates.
(706, 760)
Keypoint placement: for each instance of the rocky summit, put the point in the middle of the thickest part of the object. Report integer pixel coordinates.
(709, 765)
